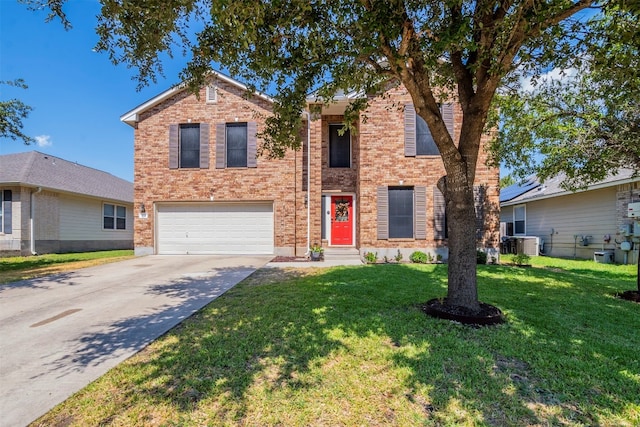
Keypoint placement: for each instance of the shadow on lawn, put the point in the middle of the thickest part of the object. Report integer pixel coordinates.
(184, 296)
(278, 332)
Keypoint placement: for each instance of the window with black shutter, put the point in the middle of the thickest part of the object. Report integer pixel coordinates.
(236, 145)
(190, 146)
(400, 212)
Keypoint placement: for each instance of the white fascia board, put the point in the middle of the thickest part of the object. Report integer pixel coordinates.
(132, 117)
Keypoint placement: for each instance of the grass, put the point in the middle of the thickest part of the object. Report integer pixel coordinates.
(349, 347)
(21, 268)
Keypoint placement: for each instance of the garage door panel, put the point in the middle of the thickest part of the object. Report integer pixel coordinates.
(242, 228)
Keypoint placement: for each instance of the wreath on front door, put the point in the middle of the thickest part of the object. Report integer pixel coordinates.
(342, 211)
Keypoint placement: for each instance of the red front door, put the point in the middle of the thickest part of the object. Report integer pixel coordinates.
(342, 220)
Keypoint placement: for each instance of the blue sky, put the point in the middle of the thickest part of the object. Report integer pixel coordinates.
(77, 95)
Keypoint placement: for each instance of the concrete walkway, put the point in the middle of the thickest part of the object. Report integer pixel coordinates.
(61, 332)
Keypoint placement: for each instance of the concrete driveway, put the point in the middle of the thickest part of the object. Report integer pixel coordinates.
(59, 333)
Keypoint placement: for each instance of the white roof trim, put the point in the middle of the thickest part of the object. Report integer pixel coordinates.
(132, 117)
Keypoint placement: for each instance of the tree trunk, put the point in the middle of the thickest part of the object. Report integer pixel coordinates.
(461, 227)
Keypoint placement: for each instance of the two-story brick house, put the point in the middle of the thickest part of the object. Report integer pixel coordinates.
(201, 189)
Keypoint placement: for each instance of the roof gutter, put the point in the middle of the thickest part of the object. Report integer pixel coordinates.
(308, 114)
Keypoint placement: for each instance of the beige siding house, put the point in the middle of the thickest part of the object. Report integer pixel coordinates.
(584, 224)
(50, 205)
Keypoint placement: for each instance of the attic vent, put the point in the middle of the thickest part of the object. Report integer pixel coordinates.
(212, 94)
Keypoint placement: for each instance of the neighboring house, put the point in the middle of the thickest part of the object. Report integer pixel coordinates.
(574, 224)
(50, 205)
(203, 190)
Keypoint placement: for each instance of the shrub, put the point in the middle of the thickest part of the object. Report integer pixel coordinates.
(418, 257)
(371, 257)
(398, 256)
(521, 259)
(481, 257)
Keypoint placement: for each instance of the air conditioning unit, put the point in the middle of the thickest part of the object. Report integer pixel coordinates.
(527, 245)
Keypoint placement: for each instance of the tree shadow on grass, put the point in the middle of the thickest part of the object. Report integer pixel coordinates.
(181, 298)
(287, 336)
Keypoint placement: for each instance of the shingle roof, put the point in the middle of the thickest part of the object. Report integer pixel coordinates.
(533, 189)
(43, 170)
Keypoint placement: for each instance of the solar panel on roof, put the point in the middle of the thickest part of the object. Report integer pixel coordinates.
(515, 190)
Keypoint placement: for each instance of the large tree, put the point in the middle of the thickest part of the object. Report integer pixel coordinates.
(584, 122)
(12, 113)
(434, 48)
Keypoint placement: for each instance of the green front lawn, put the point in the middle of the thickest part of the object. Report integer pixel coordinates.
(21, 268)
(349, 346)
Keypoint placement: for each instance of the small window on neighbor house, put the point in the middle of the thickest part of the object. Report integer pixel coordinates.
(236, 145)
(6, 197)
(400, 212)
(190, 146)
(114, 217)
(519, 220)
(339, 147)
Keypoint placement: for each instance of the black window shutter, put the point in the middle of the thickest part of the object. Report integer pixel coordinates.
(174, 146)
(420, 212)
(383, 213)
(409, 130)
(447, 117)
(7, 197)
(204, 145)
(252, 144)
(221, 149)
(439, 215)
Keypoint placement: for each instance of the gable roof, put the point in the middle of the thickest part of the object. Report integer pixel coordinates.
(37, 169)
(533, 189)
(131, 117)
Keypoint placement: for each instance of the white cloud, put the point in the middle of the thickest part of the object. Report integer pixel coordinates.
(556, 74)
(44, 140)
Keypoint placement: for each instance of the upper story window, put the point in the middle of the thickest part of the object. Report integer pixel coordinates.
(425, 145)
(236, 145)
(418, 140)
(189, 146)
(339, 147)
(114, 217)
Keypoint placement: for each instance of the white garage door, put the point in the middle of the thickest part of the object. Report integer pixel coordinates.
(215, 228)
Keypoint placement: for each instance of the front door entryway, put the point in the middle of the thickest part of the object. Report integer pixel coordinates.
(342, 220)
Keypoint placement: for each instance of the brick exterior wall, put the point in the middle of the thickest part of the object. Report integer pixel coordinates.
(378, 159)
(274, 180)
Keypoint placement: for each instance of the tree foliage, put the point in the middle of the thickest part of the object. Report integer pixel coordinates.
(437, 49)
(12, 113)
(585, 124)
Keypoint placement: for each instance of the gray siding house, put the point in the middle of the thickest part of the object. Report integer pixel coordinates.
(588, 224)
(50, 205)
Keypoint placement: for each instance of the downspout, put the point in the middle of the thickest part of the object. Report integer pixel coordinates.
(308, 114)
(32, 207)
